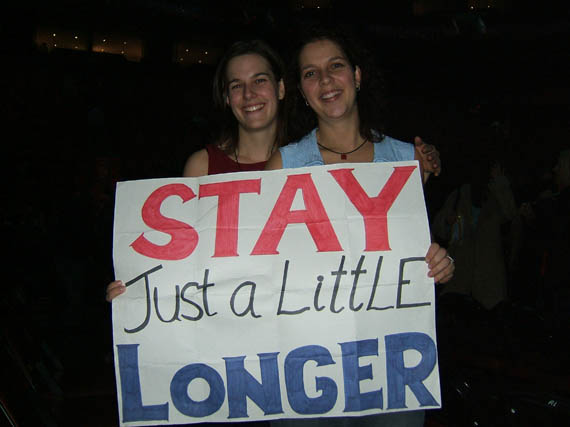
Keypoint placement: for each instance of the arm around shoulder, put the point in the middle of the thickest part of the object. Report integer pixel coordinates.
(425, 175)
(197, 164)
(428, 157)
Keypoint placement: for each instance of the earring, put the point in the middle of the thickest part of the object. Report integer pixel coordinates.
(306, 103)
(358, 87)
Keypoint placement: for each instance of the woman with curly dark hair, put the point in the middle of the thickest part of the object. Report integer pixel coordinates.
(337, 109)
(336, 105)
(370, 100)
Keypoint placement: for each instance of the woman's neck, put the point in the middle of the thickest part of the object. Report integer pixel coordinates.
(256, 146)
(340, 136)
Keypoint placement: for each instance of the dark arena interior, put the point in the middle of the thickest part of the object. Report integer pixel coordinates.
(101, 91)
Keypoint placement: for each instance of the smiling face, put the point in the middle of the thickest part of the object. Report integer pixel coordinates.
(328, 81)
(252, 92)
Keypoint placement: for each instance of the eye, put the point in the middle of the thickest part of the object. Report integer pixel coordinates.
(260, 80)
(308, 74)
(337, 65)
(235, 86)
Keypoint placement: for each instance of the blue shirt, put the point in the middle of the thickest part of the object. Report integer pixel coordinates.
(305, 152)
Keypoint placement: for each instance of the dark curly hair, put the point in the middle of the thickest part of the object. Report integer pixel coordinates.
(228, 136)
(370, 99)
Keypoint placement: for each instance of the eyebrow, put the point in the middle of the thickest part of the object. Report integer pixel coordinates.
(263, 73)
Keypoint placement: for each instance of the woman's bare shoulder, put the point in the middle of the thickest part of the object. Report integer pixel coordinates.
(197, 164)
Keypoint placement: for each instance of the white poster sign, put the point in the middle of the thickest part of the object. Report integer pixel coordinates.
(296, 293)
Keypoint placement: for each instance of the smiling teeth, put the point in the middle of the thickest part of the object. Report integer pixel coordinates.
(253, 108)
(330, 95)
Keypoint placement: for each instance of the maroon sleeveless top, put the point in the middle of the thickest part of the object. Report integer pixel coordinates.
(220, 162)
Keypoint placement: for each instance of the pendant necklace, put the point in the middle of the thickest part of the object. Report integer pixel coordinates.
(236, 157)
(346, 153)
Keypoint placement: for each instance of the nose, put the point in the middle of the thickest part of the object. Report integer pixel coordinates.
(325, 78)
(248, 92)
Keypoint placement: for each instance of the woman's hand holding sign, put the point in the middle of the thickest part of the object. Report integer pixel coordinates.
(114, 289)
(441, 265)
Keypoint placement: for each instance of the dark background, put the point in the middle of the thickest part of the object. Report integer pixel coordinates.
(75, 122)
